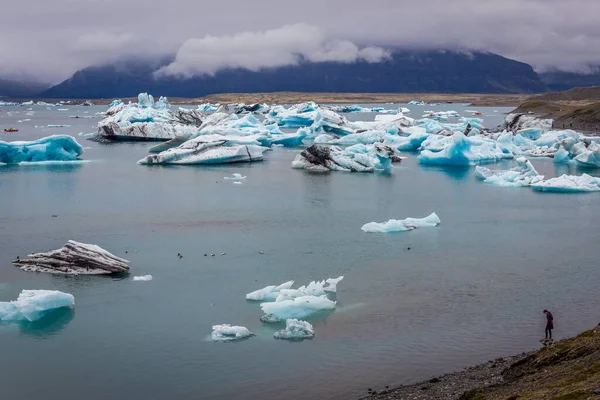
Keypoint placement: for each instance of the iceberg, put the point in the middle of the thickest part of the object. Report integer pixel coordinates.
(394, 225)
(235, 177)
(589, 157)
(524, 174)
(357, 158)
(314, 288)
(51, 148)
(297, 308)
(569, 184)
(74, 258)
(143, 278)
(226, 333)
(268, 293)
(32, 305)
(208, 149)
(462, 150)
(528, 125)
(143, 131)
(295, 330)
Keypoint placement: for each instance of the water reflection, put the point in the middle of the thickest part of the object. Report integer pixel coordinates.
(48, 326)
(456, 173)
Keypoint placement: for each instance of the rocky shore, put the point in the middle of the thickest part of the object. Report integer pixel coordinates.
(568, 369)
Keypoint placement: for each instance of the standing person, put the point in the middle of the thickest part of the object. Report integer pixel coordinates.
(549, 324)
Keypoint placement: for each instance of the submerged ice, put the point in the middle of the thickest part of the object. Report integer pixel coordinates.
(32, 305)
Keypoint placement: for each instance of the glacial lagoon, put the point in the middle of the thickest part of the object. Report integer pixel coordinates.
(468, 290)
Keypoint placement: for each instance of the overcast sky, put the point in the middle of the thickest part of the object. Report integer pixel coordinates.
(50, 40)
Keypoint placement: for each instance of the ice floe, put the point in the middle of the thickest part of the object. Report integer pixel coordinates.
(226, 333)
(569, 184)
(296, 308)
(459, 149)
(74, 258)
(143, 278)
(295, 330)
(524, 174)
(51, 148)
(394, 225)
(235, 177)
(32, 305)
(268, 293)
(357, 158)
(209, 149)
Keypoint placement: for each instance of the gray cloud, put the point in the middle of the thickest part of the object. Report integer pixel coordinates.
(51, 40)
(261, 49)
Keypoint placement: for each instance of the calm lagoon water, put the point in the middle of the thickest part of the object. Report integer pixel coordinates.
(468, 291)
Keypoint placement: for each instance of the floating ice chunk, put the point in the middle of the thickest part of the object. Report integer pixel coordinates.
(226, 333)
(357, 158)
(569, 184)
(74, 258)
(32, 305)
(51, 148)
(57, 126)
(143, 278)
(553, 137)
(268, 293)
(407, 224)
(462, 150)
(589, 157)
(518, 122)
(522, 175)
(314, 288)
(208, 149)
(299, 307)
(332, 284)
(115, 102)
(235, 177)
(295, 330)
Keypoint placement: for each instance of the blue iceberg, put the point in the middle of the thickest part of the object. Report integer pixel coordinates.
(462, 150)
(32, 305)
(297, 308)
(51, 148)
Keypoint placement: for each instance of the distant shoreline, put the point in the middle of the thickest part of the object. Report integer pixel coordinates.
(339, 98)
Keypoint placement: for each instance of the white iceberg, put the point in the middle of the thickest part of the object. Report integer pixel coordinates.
(143, 278)
(74, 258)
(235, 177)
(208, 149)
(268, 293)
(314, 288)
(32, 305)
(357, 158)
(394, 225)
(569, 184)
(51, 148)
(226, 333)
(295, 330)
(524, 174)
(298, 308)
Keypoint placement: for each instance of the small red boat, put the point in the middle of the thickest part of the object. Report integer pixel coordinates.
(11, 130)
